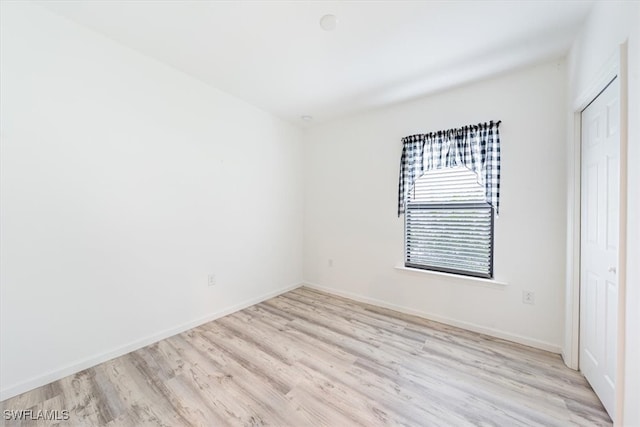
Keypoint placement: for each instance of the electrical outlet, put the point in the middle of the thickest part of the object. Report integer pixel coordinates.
(211, 280)
(330, 262)
(528, 297)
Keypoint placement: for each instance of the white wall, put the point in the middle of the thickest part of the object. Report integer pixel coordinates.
(609, 25)
(351, 184)
(125, 182)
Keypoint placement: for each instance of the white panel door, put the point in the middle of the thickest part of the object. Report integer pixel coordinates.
(599, 243)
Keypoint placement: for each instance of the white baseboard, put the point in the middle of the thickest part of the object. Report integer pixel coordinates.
(531, 342)
(78, 366)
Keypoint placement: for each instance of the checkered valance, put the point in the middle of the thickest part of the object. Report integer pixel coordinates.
(476, 147)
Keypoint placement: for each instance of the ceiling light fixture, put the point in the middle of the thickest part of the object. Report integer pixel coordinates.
(306, 118)
(329, 22)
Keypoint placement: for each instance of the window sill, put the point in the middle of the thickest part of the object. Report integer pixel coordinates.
(473, 280)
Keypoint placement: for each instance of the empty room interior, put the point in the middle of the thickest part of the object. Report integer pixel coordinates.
(320, 213)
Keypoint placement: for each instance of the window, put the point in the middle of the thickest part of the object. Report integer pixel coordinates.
(449, 189)
(449, 224)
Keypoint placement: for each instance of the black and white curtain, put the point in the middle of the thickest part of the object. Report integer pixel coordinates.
(476, 147)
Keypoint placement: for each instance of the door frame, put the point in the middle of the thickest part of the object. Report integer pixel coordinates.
(615, 67)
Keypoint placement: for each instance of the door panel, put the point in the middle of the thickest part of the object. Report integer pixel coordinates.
(591, 222)
(612, 203)
(610, 345)
(599, 243)
(589, 339)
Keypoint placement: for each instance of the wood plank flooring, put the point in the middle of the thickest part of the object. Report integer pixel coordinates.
(307, 358)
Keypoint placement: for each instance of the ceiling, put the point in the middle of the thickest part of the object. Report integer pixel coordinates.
(275, 55)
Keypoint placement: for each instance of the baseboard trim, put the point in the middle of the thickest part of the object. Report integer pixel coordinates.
(566, 360)
(81, 365)
(531, 342)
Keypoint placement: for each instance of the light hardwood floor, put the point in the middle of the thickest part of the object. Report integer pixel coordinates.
(307, 358)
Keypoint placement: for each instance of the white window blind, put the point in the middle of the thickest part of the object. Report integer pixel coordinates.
(449, 225)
